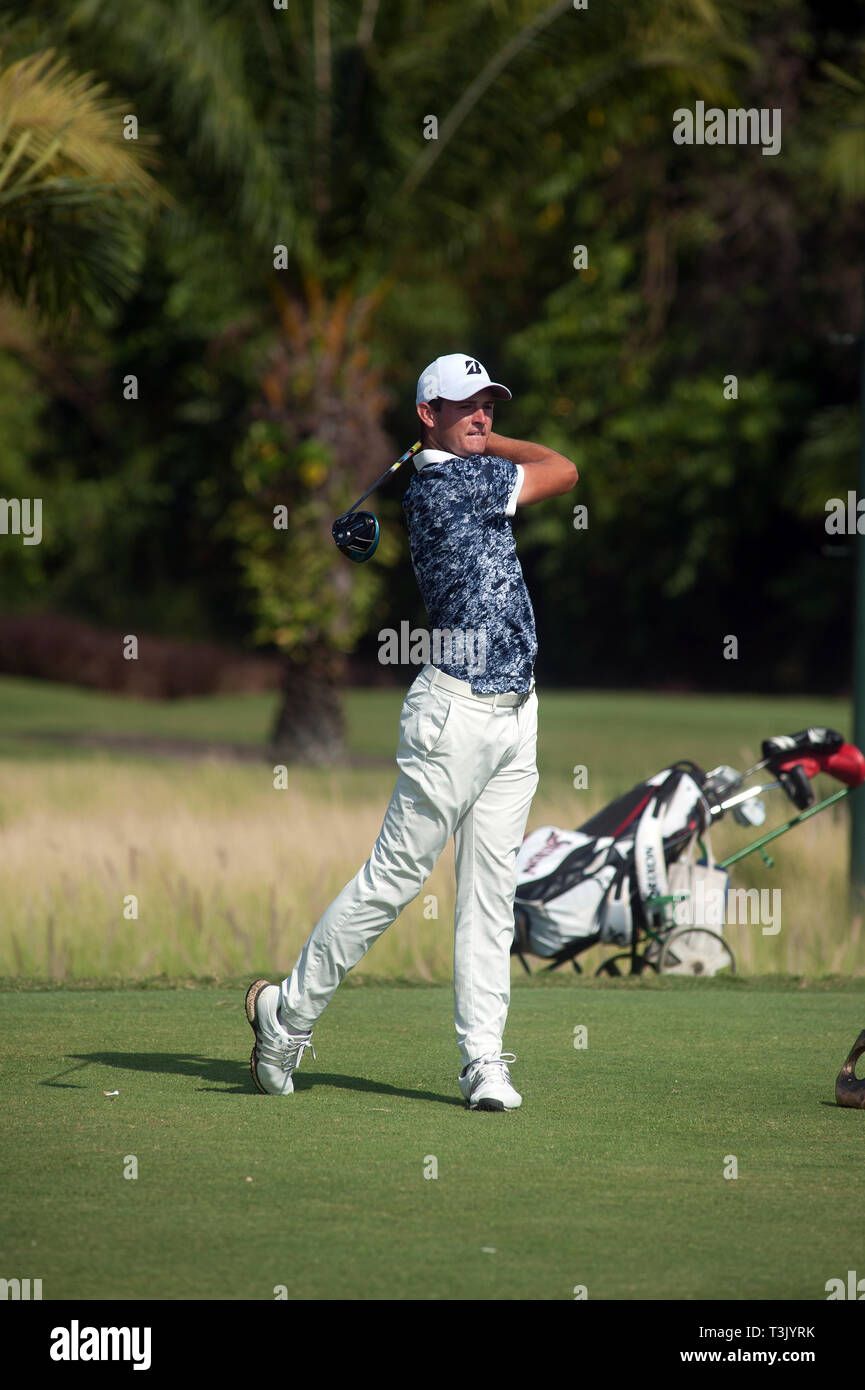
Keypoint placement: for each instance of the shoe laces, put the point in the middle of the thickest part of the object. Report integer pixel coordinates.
(286, 1054)
(502, 1061)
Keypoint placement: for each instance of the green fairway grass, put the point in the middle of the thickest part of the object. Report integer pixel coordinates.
(618, 736)
(611, 1176)
(33, 714)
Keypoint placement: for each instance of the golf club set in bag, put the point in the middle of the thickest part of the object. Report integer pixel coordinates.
(630, 878)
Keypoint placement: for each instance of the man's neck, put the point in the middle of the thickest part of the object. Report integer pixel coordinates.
(452, 453)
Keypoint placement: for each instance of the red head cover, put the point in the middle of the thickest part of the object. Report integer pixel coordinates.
(847, 765)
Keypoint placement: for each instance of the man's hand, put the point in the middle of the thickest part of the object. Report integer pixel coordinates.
(547, 474)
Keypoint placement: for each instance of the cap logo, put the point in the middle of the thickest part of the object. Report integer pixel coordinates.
(473, 368)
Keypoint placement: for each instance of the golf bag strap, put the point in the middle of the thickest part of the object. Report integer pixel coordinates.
(649, 863)
(690, 855)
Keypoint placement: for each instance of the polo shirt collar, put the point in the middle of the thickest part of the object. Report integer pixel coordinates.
(430, 456)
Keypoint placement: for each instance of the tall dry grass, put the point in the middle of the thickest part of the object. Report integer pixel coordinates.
(229, 874)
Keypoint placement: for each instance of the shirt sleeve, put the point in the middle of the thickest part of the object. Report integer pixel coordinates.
(511, 508)
(497, 483)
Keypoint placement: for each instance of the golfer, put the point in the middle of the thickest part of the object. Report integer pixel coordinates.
(467, 741)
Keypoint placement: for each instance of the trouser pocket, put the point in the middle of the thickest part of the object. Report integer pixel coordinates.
(423, 721)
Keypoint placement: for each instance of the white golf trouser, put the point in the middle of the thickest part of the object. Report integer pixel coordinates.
(467, 769)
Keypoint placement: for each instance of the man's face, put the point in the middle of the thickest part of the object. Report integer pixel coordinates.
(460, 427)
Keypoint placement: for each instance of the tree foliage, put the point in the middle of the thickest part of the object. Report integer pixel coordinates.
(71, 190)
(269, 382)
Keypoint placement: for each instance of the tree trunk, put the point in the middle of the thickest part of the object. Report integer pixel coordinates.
(310, 726)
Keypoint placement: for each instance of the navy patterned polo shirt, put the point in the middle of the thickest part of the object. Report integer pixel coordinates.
(482, 628)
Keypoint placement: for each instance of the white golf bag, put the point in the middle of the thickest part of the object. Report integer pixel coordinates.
(630, 874)
(633, 865)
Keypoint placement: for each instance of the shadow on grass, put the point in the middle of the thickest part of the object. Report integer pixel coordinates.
(227, 1077)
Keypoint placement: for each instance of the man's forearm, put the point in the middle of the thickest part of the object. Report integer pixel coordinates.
(547, 474)
(519, 450)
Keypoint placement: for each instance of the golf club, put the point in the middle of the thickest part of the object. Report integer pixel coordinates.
(357, 533)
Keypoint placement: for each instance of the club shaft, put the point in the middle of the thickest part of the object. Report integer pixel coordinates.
(409, 453)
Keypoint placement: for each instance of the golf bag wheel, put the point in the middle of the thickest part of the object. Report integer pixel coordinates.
(696, 951)
(613, 967)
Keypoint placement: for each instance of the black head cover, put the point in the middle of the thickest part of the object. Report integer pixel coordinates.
(788, 746)
(356, 535)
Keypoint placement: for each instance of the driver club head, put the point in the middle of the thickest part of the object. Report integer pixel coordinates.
(356, 535)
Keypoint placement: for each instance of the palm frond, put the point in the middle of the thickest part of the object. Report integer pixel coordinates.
(67, 244)
(63, 119)
(72, 190)
(476, 89)
(202, 65)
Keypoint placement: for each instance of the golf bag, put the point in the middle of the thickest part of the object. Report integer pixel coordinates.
(631, 872)
(596, 883)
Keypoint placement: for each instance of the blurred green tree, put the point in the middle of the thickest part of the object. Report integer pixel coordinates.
(303, 129)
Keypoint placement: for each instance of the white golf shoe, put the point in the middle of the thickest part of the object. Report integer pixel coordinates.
(486, 1084)
(277, 1053)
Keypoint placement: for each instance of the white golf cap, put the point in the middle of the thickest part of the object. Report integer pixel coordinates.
(456, 378)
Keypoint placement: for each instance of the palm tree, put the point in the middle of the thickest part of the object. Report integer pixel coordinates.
(72, 190)
(303, 128)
